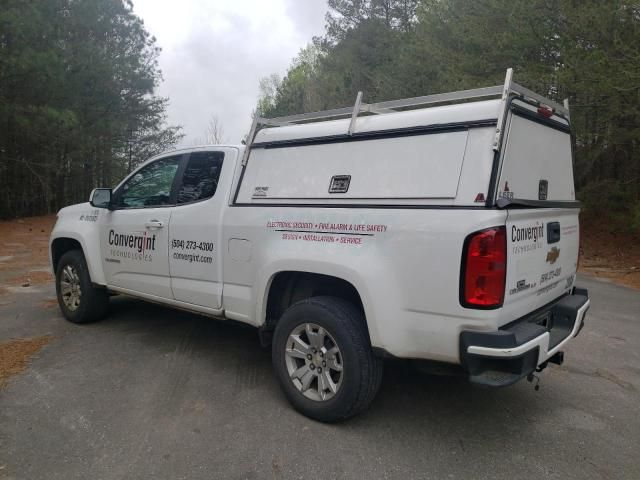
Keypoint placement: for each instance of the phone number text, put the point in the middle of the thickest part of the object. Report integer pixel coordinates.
(191, 245)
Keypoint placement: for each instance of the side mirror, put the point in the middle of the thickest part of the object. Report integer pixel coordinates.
(100, 198)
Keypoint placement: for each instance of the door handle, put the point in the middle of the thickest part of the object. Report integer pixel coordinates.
(154, 224)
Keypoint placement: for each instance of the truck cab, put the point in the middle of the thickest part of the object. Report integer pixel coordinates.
(157, 239)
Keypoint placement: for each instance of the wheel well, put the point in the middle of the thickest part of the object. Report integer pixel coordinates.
(60, 246)
(288, 288)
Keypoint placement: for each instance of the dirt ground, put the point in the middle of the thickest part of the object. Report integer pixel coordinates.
(24, 257)
(23, 266)
(15, 355)
(610, 255)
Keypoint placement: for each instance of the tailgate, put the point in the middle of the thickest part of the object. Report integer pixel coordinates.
(542, 256)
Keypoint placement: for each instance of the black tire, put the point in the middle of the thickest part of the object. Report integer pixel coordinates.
(362, 371)
(93, 301)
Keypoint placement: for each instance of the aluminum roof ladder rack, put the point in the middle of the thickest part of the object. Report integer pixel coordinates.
(509, 88)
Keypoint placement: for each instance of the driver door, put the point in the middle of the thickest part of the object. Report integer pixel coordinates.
(134, 237)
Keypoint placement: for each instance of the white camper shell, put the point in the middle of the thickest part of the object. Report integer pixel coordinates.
(440, 228)
(386, 150)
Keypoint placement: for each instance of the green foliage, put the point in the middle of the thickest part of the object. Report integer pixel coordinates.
(77, 108)
(348, 15)
(587, 51)
(616, 202)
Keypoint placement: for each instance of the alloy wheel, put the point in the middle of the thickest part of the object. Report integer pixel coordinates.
(314, 362)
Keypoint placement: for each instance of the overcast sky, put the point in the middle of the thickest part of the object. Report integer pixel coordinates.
(215, 51)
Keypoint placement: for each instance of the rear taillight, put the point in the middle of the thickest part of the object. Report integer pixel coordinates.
(484, 269)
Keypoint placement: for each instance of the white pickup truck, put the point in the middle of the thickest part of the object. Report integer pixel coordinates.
(440, 228)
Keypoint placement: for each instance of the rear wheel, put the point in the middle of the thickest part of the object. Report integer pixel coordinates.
(323, 359)
(79, 300)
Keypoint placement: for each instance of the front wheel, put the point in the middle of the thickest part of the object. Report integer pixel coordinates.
(79, 300)
(323, 359)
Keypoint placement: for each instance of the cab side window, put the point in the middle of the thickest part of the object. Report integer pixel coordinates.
(151, 186)
(200, 179)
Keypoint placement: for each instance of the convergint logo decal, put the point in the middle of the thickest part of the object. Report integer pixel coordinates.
(527, 238)
(527, 233)
(137, 246)
(326, 232)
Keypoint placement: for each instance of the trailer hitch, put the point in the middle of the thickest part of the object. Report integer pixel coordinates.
(533, 377)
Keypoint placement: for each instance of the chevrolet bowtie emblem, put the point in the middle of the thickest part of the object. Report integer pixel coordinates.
(553, 254)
